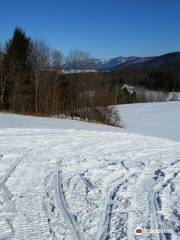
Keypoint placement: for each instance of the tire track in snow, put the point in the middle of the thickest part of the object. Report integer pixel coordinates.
(87, 182)
(156, 206)
(154, 221)
(9, 233)
(9, 172)
(104, 228)
(157, 222)
(153, 209)
(68, 217)
(7, 195)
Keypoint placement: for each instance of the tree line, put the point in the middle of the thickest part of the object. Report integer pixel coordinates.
(32, 81)
(166, 80)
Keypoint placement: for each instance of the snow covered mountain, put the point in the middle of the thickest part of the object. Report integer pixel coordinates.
(64, 179)
(100, 64)
(108, 64)
(170, 60)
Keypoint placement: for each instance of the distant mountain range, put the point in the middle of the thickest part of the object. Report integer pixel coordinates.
(114, 62)
(169, 60)
(163, 61)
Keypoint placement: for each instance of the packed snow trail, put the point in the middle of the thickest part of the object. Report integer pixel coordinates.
(88, 184)
(10, 171)
(68, 217)
(106, 181)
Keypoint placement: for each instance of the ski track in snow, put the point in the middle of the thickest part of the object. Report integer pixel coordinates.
(69, 218)
(87, 185)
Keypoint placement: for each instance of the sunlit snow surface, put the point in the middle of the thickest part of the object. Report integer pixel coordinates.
(153, 119)
(84, 184)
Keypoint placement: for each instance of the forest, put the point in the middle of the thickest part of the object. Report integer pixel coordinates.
(33, 81)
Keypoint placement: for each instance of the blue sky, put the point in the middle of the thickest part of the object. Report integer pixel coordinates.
(104, 28)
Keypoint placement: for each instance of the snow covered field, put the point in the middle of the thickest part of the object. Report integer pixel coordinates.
(23, 122)
(63, 179)
(153, 119)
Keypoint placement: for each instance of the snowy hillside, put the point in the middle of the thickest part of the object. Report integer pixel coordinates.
(21, 121)
(63, 179)
(152, 119)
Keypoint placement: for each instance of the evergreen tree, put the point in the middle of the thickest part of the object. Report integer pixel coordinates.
(17, 66)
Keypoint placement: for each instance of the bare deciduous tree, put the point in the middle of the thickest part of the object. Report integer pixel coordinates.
(41, 54)
(78, 60)
(45, 59)
(57, 59)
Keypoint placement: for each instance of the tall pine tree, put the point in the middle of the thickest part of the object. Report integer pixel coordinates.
(18, 70)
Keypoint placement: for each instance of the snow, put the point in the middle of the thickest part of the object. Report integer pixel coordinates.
(153, 119)
(64, 179)
(23, 122)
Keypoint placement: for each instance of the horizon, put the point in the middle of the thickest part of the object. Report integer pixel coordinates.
(139, 56)
(104, 29)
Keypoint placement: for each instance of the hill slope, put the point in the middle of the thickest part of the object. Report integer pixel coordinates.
(170, 60)
(73, 183)
(152, 119)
